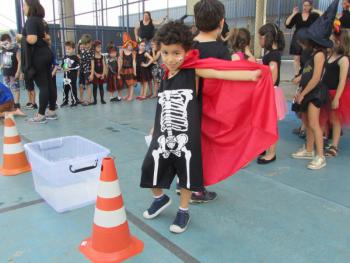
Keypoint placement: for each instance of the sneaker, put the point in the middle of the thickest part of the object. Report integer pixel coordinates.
(203, 197)
(157, 206)
(303, 154)
(38, 119)
(181, 222)
(52, 116)
(317, 163)
(65, 103)
(28, 104)
(74, 104)
(116, 99)
(35, 106)
(103, 102)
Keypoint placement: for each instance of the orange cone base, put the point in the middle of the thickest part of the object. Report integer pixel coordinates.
(11, 172)
(135, 247)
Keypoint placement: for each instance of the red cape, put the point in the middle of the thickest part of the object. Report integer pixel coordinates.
(239, 119)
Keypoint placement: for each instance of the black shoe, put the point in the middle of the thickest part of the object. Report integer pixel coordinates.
(28, 104)
(35, 106)
(157, 206)
(17, 106)
(103, 102)
(263, 153)
(116, 99)
(74, 104)
(65, 103)
(261, 160)
(203, 197)
(181, 222)
(94, 103)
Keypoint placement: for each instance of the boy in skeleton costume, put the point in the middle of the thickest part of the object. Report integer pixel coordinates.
(176, 143)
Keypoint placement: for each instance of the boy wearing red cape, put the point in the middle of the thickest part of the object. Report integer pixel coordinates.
(238, 122)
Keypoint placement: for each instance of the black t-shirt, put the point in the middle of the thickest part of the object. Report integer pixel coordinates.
(298, 21)
(273, 56)
(146, 31)
(9, 61)
(308, 71)
(212, 49)
(72, 63)
(35, 26)
(345, 19)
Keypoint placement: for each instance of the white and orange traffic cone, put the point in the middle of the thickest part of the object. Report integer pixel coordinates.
(111, 240)
(14, 158)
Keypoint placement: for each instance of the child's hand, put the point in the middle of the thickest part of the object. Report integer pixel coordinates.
(53, 74)
(296, 80)
(17, 76)
(151, 131)
(143, 65)
(335, 104)
(118, 77)
(91, 77)
(299, 98)
(135, 73)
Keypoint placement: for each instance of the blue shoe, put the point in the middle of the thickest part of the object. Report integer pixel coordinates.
(157, 207)
(181, 222)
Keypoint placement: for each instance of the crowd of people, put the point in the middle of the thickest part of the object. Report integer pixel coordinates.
(321, 50)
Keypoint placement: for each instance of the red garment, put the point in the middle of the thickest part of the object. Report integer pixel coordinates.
(343, 111)
(239, 119)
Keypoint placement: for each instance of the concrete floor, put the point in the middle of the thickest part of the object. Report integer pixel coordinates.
(276, 213)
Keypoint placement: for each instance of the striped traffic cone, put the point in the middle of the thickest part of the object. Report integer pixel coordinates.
(111, 240)
(14, 158)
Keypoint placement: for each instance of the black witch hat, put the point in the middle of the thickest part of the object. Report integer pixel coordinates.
(321, 30)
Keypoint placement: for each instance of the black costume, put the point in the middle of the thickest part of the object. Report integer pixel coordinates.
(176, 147)
(72, 64)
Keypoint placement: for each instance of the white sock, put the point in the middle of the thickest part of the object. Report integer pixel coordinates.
(158, 197)
(183, 209)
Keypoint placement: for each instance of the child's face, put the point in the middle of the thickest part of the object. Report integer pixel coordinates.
(262, 41)
(69, 50)
(173, 56)
(129, 47)
(113, 54)
(142, 46)
(346, 4)
(88, 45)
(98, 48)
(154, 45)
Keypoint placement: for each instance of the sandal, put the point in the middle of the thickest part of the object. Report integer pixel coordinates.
(332, 151)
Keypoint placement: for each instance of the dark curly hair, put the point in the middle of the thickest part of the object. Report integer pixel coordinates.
(174, 33)
(272, 35)
(239, 39)
(208, 14)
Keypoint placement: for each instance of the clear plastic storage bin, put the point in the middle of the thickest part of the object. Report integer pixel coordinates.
(66, 170)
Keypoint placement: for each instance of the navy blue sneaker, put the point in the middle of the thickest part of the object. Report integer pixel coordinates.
(181, 222)
(157, 206)
(202, 197)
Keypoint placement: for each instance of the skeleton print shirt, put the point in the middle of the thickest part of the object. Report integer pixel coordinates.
(175, 146)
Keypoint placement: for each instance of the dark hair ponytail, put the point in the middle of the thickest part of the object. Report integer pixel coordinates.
(272, 35)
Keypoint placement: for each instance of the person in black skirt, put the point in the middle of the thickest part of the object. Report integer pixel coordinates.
(143, 69)
(300, 20)
(99, 70)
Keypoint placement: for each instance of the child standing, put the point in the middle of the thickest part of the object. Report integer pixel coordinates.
(157, 71)
(10, 64)
(143, 72)
(70, 68)
(127, 68)
(86, 73)
(98, 69)
(239, 41)
(336, 79)
(175, 146)
(271, 38)
(113, 79)
(314, 94)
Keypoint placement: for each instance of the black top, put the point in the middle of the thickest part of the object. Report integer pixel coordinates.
(72, 63)
(98, 63)
(112, 65)
(128, 60)
(273, 56)
(35, 26)
(9, 61)
(305, 56)
(331, 75)
(308, 71)
(141, 58)
(212, 49)
(298, 21)
(146, 31)
(345, 19)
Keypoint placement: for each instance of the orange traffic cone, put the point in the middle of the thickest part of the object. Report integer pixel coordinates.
(111, 240)
(14, 159)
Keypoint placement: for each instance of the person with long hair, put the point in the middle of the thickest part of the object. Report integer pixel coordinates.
(37, 59)
(299, 20)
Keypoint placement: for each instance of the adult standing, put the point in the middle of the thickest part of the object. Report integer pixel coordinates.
(37, 59)
(345, 18)
(300, 20)
(145, 30)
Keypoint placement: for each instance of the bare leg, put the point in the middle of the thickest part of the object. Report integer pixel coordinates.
(336, 129)
(89, 93)
(296, 65)
(157, 191)
(185, 198)
(315, 128)
(130, 93)
(81, 93)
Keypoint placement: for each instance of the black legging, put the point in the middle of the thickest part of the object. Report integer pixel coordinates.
(42, 62)
(100, 86)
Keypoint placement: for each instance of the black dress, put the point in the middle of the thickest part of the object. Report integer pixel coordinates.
(143, 74)
(298, 22)
(273, 56)
(175, 148)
